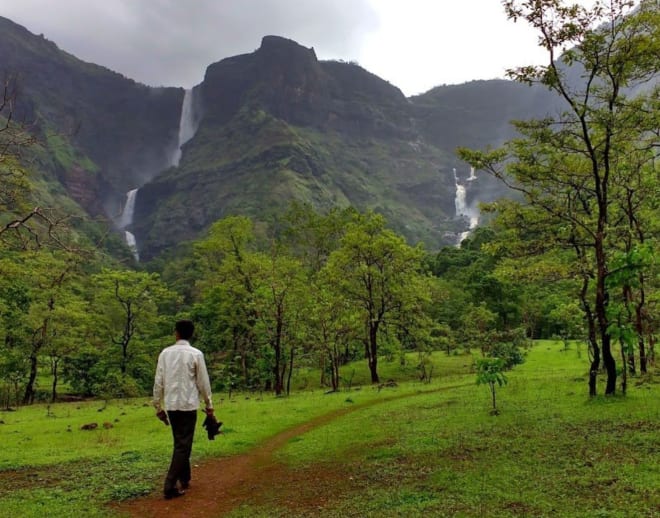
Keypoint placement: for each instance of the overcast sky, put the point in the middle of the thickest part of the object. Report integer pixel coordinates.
(414, 44)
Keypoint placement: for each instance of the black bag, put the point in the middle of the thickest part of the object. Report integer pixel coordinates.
(212, 426)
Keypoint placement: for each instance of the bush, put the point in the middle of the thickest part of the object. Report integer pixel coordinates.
(115, 386)
(509, 353)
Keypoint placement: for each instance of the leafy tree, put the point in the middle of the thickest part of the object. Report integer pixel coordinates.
(279, 303)
(477, 325)
(127, 308)
(332, 325)
(33, 291)
(380, 275)
(571, 168)
(70, 326)
(227, 306)
(490, 371)
(312, 236)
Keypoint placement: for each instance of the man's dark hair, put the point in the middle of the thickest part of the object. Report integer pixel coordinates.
(185, 328)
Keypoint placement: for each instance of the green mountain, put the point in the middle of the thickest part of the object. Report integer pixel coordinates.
(268, 127)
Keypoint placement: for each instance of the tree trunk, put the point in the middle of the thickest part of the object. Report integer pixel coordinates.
(610, 365)
(624, 373)
(28, 397)
(592, 339)
(53, 395)
(373, 352)
(276, 368)
(641, 346)
(593, 370)
(602, 298)
(335, 375)
(124, 357)
(288, 379)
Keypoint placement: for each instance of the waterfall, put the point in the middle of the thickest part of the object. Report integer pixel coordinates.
(132, 244)
(126, 219)
(187, 129)
(187, 125)
(459, 199)
(471, 213)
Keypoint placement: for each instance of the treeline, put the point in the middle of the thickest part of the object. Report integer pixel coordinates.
(308, 290)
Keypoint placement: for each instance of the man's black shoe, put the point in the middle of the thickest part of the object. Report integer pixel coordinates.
(174, 493)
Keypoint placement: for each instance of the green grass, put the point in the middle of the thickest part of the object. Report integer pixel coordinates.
(551, 452)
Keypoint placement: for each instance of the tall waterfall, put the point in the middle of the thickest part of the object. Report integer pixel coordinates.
(187, 128)
(187, 125)
(126, 219)
(471, 213)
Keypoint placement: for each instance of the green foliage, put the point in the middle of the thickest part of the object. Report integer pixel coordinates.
(66, 155)
(587, 176)
(379, 274)
(490, 371)
(128, 305)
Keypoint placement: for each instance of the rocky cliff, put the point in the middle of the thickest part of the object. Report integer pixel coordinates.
(127, 130)
(272, 126)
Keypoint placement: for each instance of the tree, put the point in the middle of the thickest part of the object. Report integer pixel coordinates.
(127, 307)
(70, 327)
(478, 323)
(32, 291)
(571, 168)
(380, 275)
(311, 236)
(490, 371)
(227, 309)
(278, 303)
(332, 325)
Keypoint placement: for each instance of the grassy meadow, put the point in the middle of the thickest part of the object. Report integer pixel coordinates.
(416, 449)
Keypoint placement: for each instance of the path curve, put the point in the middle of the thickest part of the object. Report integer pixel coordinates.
(220, 485)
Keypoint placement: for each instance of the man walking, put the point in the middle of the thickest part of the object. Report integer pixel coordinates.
(181, 378)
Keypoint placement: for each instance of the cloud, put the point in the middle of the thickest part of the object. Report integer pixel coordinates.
(171, 42)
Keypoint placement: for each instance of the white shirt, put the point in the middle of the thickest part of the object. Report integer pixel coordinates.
(181, 378)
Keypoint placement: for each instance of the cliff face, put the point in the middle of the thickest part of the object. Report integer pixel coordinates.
(273, 126)
(287, 81)
(279, 125)
(126, 129)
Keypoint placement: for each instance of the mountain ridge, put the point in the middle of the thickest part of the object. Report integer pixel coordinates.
(274, 125)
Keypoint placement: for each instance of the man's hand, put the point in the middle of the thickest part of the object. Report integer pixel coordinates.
(162, 415)
(208, 411)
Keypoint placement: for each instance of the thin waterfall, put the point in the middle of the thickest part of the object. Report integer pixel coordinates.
(187, 125)
(126, 219)
(471, 213)
(187, 129)
(459, 198)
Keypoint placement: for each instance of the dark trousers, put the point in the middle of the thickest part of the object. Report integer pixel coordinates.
(183, 431)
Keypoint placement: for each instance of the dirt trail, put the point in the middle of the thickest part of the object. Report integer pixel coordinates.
(220, 485)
